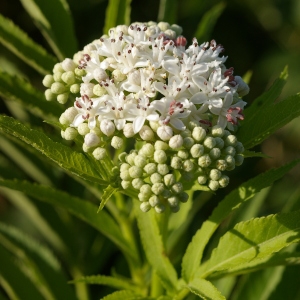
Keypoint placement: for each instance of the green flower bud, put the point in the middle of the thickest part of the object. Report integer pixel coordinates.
(155, 178)
(48, 80)
(215, 153)
(70, 133)
(159, 145)
(163, 26)
(217, 131)
(128, 130)
(57, 76)
(49, 95)
(166, 194)
(140, 161)
(186, 133)
(221, 165)
(158, 188)
(154, 200)
(147, 150)
(169, 179)
(239, 159)
(209, 142)
(231, 140)
(116, 142)
(99, 153)
(183, 154)
(125, 184)
(176, 141)
(86, 148)
(177, 188)
(154, 125)
(159, 208)
(215, 174)
(58, 88)
(160, 156)
(202, 179)
(197, 150)
(188, 142)
(173, 201)
(213, 185)
(230, 160)
(99, 90)
(239, 148)
(83, 129)
(188, 165)
(58, 68)
(135, 172)
(145, 206)
(118, 75)
(146, 133)
(91, 140)
(143, 197)
(176, 163)
(75, 88)
(124, 175)
(62, 98)
(229, 150)
(68, 64)
(162, 169)
(68, 77)
(199, 134)
(130, 157)
(219, 142)
(150, 168)
(204, 161)
(62, 133)
(170, 34)
(177, 29)
(80, 72)
(137, 183)
(183, 197)
(124, 167)
(146, 189)
(223, 181)
(193, 124)
(70, 114)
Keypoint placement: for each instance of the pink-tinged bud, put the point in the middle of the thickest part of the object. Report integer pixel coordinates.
(181, 41)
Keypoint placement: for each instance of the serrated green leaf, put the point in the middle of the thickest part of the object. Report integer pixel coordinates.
(54, 20)
(167, 11)
(205, 289)
(14, 88)
(86, 211)
(41, 259)
(117, 13)
(154, 249)
(17, 41)
(254, 239)
(267, 120)
(208, 21)
(117, 283)
(19, 284)
(68, 159)
(268, 98)
(248, 153)
(125, 295)
(231, 202)
(108, 192)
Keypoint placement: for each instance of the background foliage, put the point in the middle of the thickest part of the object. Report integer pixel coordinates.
(260, 38)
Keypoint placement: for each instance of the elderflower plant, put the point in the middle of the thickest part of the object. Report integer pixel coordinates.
(144, 82)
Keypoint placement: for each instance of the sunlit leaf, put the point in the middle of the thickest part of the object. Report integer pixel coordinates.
(108, 192)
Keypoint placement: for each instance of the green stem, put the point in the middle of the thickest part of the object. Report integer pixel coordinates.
(156, 286)
(182, 294)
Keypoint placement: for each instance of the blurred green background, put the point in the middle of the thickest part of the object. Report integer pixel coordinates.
(260, 39)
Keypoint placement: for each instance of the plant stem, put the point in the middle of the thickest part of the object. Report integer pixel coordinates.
(156, 286)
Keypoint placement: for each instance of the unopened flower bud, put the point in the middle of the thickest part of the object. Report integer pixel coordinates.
(48, 80)
(158, 188)
(100, 74)
(58, 88)
(118, 75)
(145, 206)
(177, 29)
(183, 154)
(163, 26)
(159, 145)
(213, 185)
(176, 141)
(130, 158)
(209, 142)
(197, 150)
(186, 133)
(125, 184)
(87, 89)
(146, 133)
(49, 95)
(223, 181)
(173, 201)
(221, 164)
(183, 197)
(142, 197)
(99, 153)
(159, 208)
(154, 125)
(243, 88)
(155, 178)
(219, 142)
(229, 150)
(215, 153)
(68, 77)
(239, 148)
(128, 130)
(215, 174)
(188, 142)
(140, 161)
(162, 169)
(83, 129)
(154, 200)
(165, 132)
(160, 156)
(122, 157)
(199, 134)
(62, 98)
(230, 160)
(70, 134)
(58, 68)
(107, 127)
(57, 76)
(99, 90)
(217, 131)
(91, 140)
(176, 163)
(137, 183)
(147, 150)
(239, 159)
(68, 64)
(188, 165)
(79, 72)
(150, 168)
(177, 188)
(169, 179)
(202, 179)
(146, 189)
(75, 88)
(231, 140)
(135, 172)
(117, 142)
(204, 161)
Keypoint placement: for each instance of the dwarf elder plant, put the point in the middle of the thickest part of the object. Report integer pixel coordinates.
(154, 127)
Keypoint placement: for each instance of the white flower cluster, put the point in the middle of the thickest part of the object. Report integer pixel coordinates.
(142, 82)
